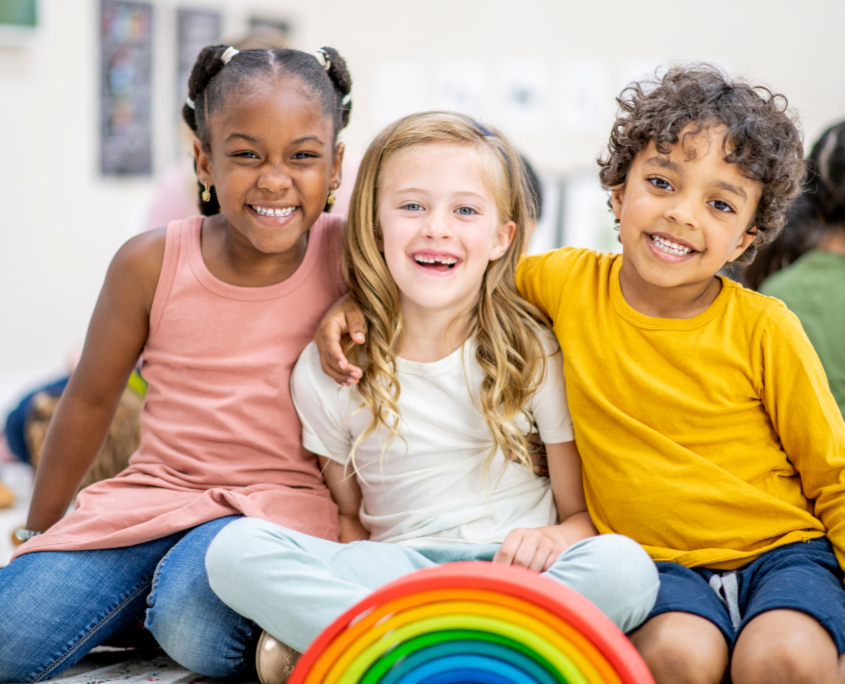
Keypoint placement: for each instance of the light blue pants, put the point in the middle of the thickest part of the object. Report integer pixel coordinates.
(294, 585)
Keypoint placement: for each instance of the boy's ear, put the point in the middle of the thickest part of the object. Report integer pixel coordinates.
(502, 240)
(337, 166)
(746, 239)
(617, 195)
(203, 164)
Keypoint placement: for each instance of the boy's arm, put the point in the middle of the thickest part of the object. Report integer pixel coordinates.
(540, 547)
(346, 493)
(807, 419)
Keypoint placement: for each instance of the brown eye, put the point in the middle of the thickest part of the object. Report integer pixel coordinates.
(719, 205)
(661, 183)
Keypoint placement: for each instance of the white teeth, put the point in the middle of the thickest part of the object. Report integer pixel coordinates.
(670, 247)
(287, 211)
(449, 261)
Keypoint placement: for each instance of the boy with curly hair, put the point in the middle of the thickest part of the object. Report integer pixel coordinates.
(707, 430)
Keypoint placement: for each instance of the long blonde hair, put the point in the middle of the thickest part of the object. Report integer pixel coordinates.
(509, 340)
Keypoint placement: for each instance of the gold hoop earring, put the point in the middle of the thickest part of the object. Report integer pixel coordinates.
(330, 199)
(206, 194)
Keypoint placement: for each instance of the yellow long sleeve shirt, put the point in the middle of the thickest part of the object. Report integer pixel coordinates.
(708, 440)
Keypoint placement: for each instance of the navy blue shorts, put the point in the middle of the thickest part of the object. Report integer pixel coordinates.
(804, 576)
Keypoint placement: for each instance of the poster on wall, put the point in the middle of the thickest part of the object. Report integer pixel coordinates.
(461, 86)
(125, 88)
(523, 85)
(195, 29)
(20, 21)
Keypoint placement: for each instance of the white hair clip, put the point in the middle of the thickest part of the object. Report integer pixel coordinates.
(226, 57)
(190, 102)
(346, 99)
(323, 59)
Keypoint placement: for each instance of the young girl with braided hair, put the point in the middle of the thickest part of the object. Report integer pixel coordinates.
(457, 369)
(220, 306)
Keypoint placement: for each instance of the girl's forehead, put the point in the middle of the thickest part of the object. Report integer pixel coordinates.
(440, 160)
(283, 103)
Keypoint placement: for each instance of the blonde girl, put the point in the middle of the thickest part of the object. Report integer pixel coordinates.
(457, 369)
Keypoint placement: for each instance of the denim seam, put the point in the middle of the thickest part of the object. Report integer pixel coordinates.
(158, 570)
(45, 673)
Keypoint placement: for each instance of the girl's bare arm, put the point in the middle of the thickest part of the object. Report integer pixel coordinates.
(346, 493)
(116, 336)
(568, 488)
(538, 548)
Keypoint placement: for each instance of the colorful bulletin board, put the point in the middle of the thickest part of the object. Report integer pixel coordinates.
(126, 88)
(194, 29)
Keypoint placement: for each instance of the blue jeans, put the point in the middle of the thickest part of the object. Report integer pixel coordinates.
(294, 585)
(55, 606)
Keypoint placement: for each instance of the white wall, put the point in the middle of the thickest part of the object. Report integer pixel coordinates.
(61, 222)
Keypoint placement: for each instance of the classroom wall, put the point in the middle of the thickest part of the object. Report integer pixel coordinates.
(61, 221)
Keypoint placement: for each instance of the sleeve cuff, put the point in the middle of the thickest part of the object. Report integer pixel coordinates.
(558, 436)
(315, 446)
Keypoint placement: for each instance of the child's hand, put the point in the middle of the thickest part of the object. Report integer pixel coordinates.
(529, 548)
(537, 454)
(343, 318)
(351, 529)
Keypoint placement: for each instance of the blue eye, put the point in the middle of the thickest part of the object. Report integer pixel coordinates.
(412, 206)
(719, 205)
(302, 155)
(247, 155)
(660, 183)
(466, 211)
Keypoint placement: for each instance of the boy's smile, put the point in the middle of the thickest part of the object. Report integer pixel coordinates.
(683, 216)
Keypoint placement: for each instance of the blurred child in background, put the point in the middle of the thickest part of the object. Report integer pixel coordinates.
(805, 266)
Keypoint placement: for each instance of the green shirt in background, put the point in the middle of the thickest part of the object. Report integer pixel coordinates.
(814, 290)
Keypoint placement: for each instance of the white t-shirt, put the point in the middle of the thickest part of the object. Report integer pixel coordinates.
(430, 488)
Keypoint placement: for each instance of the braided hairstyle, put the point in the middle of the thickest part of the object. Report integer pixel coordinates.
(212, 82)
(820, 210)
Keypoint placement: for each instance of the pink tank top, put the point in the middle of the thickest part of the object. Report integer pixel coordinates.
(220, 435)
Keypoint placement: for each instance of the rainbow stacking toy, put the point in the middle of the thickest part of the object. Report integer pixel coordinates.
(472, 622)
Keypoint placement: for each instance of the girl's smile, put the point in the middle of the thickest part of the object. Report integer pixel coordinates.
(435, 262)
(270, 215)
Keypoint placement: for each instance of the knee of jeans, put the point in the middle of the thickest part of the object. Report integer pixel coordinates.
(210, 640)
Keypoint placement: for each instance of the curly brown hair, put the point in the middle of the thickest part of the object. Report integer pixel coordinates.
(761, 136)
